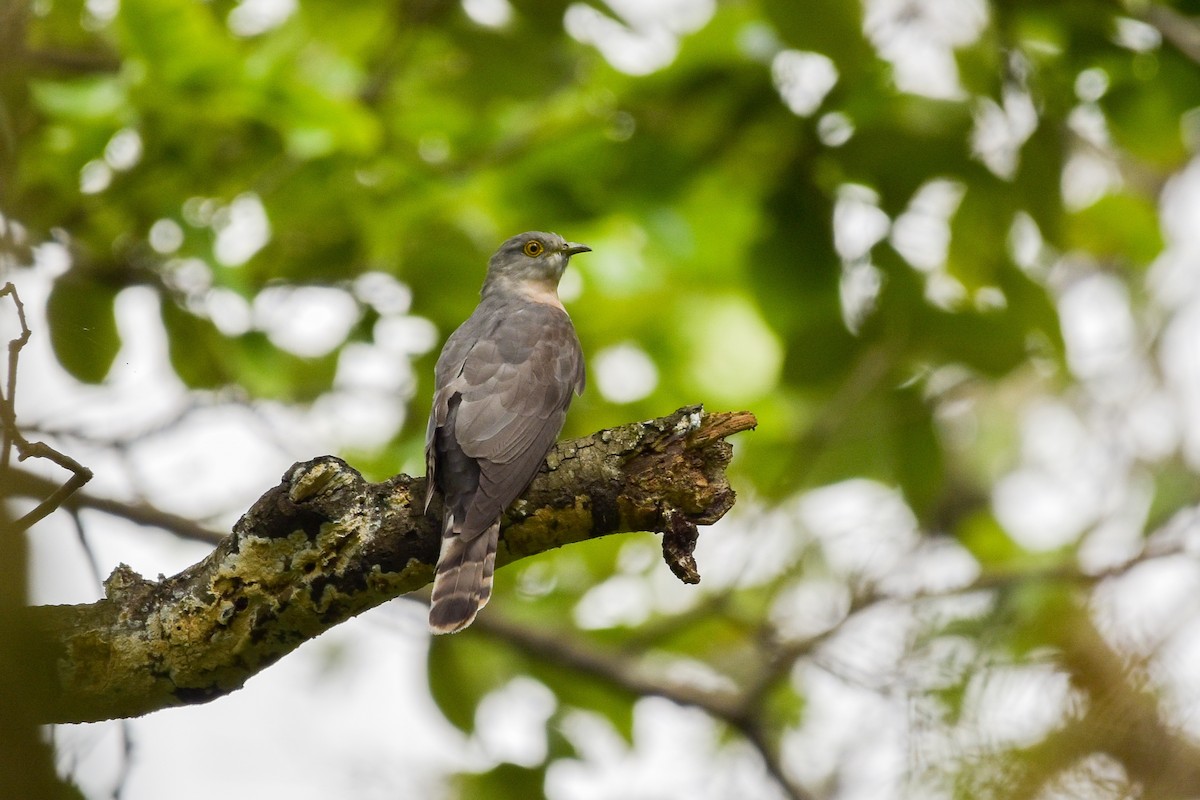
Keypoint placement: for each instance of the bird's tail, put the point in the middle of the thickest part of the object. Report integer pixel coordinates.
(463, 583)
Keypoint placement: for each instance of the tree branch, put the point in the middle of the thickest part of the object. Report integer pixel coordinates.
(8, 413)
(26, 484)
(11, 436)
(728, 707)
(84, 62)
(325, 545)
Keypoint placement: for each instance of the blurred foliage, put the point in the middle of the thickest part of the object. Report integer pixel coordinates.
(409, 139)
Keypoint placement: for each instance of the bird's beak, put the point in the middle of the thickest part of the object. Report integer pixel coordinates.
(574, 247)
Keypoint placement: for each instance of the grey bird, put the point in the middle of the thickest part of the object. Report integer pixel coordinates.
(501, 389)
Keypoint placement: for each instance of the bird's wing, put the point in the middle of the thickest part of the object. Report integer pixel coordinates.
(515, 384)
(448, 381)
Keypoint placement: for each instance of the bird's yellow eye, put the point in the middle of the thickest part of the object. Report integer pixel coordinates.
(533, 248)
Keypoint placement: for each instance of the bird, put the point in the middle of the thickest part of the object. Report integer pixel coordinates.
(502, 385)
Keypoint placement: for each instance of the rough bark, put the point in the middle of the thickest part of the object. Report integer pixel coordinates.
(325, 545)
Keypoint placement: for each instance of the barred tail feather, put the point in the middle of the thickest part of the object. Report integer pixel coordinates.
(463, 583)
(489, 566)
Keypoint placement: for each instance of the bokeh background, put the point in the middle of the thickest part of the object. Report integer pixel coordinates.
(947, 251)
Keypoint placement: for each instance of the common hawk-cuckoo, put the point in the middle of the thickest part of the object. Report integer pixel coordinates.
(501, 389)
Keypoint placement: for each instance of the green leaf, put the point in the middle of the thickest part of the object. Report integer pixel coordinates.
(1121, 228)
(795, 271)
(1144, 108)
(784, 707)
(83, 328)
(1175, 488)
(992, 343)
(919, 465)
(204, 358)
(987, 541)
(902, 142)
(1042, 613)
(832, 27)
(1038, 182)
(978, 231)
(195, 348)
(267, 371)
(587, 692)
(504, 782)
(462, 670)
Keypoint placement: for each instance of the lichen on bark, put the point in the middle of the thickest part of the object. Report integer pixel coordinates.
(325, 545)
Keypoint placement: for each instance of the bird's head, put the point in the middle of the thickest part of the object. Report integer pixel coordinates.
(533, 259)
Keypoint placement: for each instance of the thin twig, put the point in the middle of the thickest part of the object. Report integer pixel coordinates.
(26, 484)
(12, 436)
(781, 662)
(756, 736)
(615, 670)
(79, 476)
(8, 407)
(727, 707)
(86, 546)
(126, 767)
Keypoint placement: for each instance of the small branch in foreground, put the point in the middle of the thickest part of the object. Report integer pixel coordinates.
(8, 412)
(12, 436)
(79, 476)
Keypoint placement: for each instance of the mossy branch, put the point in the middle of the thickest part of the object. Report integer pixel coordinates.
(325, 545)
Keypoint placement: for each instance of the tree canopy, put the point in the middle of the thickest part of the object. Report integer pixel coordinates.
(944, 250)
